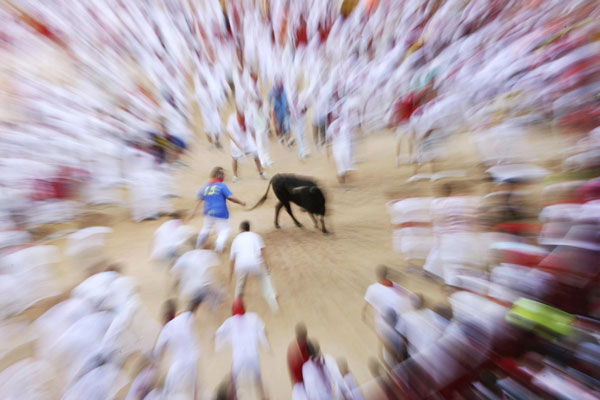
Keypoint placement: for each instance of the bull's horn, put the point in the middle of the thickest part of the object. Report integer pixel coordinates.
(298, 189)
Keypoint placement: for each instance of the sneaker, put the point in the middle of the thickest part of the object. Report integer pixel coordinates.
(264, 175)
(235, 179)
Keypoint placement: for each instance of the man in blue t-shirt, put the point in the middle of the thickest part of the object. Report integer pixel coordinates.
(215, 195)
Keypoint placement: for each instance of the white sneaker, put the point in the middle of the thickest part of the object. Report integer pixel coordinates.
(235, 179)
(264, 175)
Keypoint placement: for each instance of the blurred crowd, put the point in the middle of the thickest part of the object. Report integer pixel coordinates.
(100, 95)
(91, 89)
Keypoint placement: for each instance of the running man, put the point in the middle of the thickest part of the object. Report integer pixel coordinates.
(248, 257)
(242, 143)
(215, 195)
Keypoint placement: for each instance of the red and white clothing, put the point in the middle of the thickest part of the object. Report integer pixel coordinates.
(454, 227)
(243, 137)
(318, 382)
(178, 337)
(246, 249)
(382, 297)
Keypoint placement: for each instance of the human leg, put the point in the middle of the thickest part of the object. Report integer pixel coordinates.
(259, 166)
(240, 284)
(268, 291)
(235, 168)
(222, 225)
(209, 222)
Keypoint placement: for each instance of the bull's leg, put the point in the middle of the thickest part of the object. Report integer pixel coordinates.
(324, 230)
(288, 208)
(277, 209)
(314, 220)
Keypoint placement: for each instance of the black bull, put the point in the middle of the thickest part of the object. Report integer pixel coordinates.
(302, 191)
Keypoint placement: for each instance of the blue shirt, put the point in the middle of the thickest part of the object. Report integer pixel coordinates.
(280, 103)
(215, 199)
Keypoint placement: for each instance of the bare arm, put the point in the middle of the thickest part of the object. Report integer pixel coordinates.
(231, 265)
(194, 211)
(234, 200)
(239, 146)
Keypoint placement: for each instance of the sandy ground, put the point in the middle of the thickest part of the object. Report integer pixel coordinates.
(321, 279)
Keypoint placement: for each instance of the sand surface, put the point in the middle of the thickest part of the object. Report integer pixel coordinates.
(321, 279)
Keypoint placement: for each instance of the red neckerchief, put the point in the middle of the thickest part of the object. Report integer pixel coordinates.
(387, 282)
(215, 181)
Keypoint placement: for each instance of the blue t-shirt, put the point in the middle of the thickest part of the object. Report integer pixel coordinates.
(215, 199)
(280, 103)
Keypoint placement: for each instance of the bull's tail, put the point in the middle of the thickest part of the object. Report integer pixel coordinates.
(264, 198)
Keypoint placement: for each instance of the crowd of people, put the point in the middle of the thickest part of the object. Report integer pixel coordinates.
(129, 80)
(97, 95)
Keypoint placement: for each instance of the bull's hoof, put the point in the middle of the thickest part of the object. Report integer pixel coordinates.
(326, 233)
(277, 226)
(299, 225)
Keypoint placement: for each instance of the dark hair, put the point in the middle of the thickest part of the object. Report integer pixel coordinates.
(310, 349)
(381, 271)
(195, 303)
(301, 332)
(169, 310)
(444, 311)
(245, 226)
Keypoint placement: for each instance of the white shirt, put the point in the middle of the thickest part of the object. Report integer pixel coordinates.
(193, 270)
(95, 288)
(178, 335)
(247, 251)
(235, 130)
(317, 381)
(168, 237)
(382, 297)
(103, 382)
(422, 328)
(244, 333)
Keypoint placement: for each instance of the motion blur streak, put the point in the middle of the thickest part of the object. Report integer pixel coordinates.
(105, 105)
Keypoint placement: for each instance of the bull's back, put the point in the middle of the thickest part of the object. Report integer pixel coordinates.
(290, 181)
(284, 185)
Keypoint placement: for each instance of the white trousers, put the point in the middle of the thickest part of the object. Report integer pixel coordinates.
(299, 131)
(262, 143)
(268, 291)
(222, 227)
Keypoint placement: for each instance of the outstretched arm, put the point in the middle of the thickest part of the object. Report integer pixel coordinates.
(231, 266)
(234, 200)
(239, 146)
(194, 211)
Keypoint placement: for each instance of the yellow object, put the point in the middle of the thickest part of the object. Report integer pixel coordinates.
(348, 6)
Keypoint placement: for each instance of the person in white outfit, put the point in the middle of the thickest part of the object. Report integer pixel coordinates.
(169, 239)
(178, 337)
(192, 274)
(385, 294)
(260, 127)
(319, 384)
(299, 108)
(244, 332)
(455, 249)
(242, 143)
(339, 135)
(248, 257)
